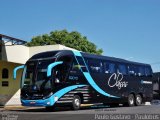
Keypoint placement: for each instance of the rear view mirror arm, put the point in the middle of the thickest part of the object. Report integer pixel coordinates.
(51, 66)
(15, 71)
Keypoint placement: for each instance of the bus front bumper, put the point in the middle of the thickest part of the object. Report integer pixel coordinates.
(42, 102)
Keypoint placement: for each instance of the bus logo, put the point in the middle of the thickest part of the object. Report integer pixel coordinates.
(118, 81)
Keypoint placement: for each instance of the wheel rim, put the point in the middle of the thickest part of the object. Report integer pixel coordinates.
(131, 100)
(77, 102)
(139, 100)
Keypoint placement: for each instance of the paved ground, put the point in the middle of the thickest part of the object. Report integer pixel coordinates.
(86, 113)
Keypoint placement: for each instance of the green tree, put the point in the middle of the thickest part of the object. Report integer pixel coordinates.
(70, 39)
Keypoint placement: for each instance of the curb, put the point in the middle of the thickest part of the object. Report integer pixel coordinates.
(14, 107)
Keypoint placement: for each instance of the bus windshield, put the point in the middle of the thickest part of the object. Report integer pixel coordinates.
(35, 75)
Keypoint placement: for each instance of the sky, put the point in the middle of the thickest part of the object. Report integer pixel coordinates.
(128, 29)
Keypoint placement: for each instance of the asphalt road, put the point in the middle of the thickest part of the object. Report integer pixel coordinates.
(86, 113)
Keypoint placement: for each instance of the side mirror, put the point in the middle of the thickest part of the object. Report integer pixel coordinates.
(51, 66)
(15, 71)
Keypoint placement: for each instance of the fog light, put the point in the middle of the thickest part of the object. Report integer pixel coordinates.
(48, 103)
(55, 98)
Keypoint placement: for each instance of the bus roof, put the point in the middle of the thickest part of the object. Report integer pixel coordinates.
(112, 59)
(88, 55)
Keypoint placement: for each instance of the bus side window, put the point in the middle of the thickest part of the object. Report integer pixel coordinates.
(95, 66)
(112, 68)
(109, 67)
(122, 69)
(131, 70)
(148, 71)
(136, 70)
(75, 68)
(28, 77)
(106, 67)
(141, 71)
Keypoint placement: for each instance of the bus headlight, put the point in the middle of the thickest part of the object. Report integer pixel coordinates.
(48, 103)
(55, 98)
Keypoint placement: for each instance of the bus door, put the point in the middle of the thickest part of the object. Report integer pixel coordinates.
(60, 72)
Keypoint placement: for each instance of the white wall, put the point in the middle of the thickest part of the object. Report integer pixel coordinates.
(15, 53)
(20, 54)
(38, 49)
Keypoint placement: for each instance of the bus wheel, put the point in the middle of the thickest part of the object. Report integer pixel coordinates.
(131, 100)
(76, 104)
(138, 100)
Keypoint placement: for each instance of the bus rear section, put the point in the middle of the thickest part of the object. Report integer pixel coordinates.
(156, 86)
(117, 81)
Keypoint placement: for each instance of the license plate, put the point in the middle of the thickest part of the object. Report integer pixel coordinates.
(32, 102)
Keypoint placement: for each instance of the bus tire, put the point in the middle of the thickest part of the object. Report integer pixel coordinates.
(138, 100)
(76, 103)
(131, 100)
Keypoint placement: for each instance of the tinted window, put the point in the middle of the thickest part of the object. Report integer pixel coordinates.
(112, 68)
(132, 70)
(61, 71)
(109, 67)
(75, 68)
(106, 67)
(122, 69)
(95, 66)
(45, 55)
(82, 64)
(28, 77)
(141, 71)
(136, 70)
(148, 71)
(43, 64)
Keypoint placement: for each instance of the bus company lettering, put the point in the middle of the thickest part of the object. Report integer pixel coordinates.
(117, 81)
